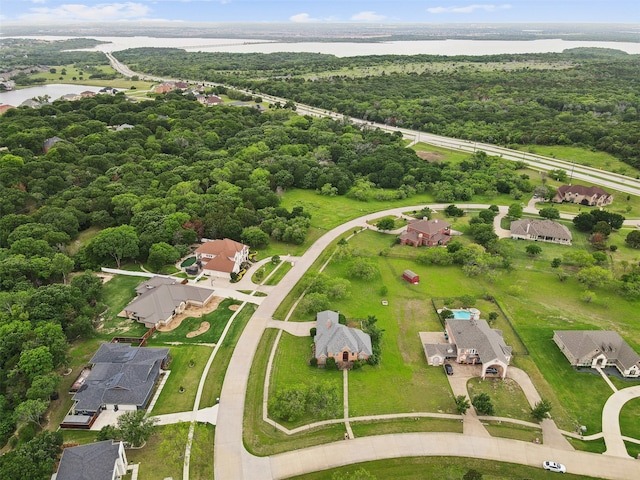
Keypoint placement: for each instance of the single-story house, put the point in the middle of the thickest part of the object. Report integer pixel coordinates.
(598, 348)
(335, 340)
(471, 341)
(428, 233)
(162, 298)
(71, 97)
(220, 258)
(87, 94)
(122, 378)
(583, 195)
(540, 231)
(105, 460)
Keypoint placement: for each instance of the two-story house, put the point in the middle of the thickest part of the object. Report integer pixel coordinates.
(428, 233)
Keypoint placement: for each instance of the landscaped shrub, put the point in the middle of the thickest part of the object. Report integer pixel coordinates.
(331, 364)
(483, 404)
(342, 320)
(313, 362)
(312, 332)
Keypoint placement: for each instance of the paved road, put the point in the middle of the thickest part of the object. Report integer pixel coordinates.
(233, 460)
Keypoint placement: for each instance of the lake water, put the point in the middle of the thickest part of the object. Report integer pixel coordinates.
(55, 91)
(347, 49)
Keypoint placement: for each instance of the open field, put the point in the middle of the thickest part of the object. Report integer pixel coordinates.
(291, 367)
(81, 77)
(260, 438)
(187, 365)
(630, 419)
(116, 294)
(419, 468)
(406, 425)
(514, 431)
(506, 395)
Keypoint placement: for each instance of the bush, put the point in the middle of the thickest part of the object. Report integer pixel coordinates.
(312, 332)
(483, 404)
(313, 362)
(331, 364)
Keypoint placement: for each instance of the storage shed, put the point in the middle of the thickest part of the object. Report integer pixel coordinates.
(410, 276)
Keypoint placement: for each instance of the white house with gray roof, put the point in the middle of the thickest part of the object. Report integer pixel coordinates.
(122, 378)
(598, 348)
(471, 341)
(343, 343)
(540, 231)
(105, 460)
(162, 298)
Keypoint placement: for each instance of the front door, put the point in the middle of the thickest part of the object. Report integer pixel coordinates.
(345, 356)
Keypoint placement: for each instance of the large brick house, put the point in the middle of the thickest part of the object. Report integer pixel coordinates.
(339, 341)
(580, 194)
(428, 233)
(222, 257)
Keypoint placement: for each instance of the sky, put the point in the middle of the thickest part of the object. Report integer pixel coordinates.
(325, 11)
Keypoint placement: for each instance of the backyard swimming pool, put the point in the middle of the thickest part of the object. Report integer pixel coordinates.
(461, 315)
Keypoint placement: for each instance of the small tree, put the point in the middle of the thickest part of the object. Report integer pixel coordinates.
(556, 262)
(541, 410)
(386, 224)
(515, 210)
(135, 427)
(483, 404)
(462, 404)
(550, 213)
(533, 250)
(493, 316)
(275, 259)
(633, 239)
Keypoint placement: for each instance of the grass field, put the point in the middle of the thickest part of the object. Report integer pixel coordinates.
(82, 78)
(217, 319)
(630, 419)
(279, 274)
(261, 438)
(406, 425)
(187, 365)
(116, 294)
(291, 367)
(506, 395)
(514, 431)
(453, 468)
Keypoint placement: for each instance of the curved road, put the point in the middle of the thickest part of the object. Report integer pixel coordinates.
(232, 460)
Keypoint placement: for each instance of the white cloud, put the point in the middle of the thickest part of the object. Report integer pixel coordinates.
(302, 18)
(367, 17)
(38, 1)
(75, 12)
(469, 8)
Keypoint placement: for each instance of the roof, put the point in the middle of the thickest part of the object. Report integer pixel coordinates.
(541, 228)
(225, 247)
(445, 350)
(121, 375)
(410, 274)
(158, 298)
(582, 190)
(429, 227)
(582, 343)
(477, 334)
(94, 461)
(333, 337)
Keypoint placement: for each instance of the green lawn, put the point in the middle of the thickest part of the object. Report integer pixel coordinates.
(215, 377)
(630, 419)
(593, 446)
(116, 294)
(217, 319)
(420, 468)
(406, 425)
(154, 467)
(261, 438)
(506, 395)
(633, 449)
(279, 274)
(187, 365)
(514, 431)
(291, 367)
(263, 272)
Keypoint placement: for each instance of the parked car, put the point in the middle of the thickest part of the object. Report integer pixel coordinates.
(448, 368)
(492, 370)
(554, 467)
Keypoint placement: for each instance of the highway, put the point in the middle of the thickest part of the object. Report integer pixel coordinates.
(595, 176)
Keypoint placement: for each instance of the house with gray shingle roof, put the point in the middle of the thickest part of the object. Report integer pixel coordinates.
(474, 342)
(540, 231)
(95, 461)
(160, 299)
(598, 348)
(122, 378)
(343, 343)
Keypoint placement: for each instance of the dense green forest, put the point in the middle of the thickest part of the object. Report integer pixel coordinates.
(183, 172)
(584, 97)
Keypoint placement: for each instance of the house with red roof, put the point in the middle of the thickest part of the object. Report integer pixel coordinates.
(220, 258)
(428, 233)
(583, 195)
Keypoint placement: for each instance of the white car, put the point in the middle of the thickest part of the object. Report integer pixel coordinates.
(554, 467)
